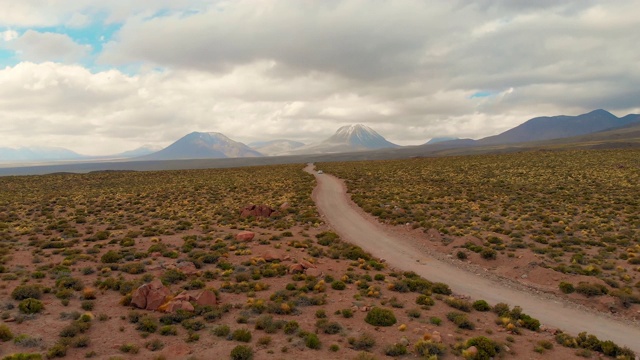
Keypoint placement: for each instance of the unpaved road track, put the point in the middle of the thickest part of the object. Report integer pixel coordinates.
(341, 214)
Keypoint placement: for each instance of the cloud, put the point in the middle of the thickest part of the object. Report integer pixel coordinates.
(300, 69)
(37, 46)
(8, 35)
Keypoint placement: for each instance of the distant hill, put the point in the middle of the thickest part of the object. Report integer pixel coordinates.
(436, 140)
(29, 154)
(348, 139)
(555, 127)
(203, 145)
(141, 151)
(275, 147)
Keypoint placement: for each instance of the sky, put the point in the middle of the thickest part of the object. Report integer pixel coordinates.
(101, 77)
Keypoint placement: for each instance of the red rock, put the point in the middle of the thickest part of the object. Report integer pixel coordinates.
(206, 298)
(245, 235)
(156, 254)
(307, 265)
(472, 351)
(257, 211)
(315, 272)
(175, 305)
(188, 268)
(296, 269)
(271, 256)
(150, 296)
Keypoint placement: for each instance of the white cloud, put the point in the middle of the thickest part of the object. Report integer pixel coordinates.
(37, 46)
(8, 35)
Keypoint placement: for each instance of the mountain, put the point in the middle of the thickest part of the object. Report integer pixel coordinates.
(348, 139)
(275, 147)
(555, 127)
(141, 151)
(436, 140)
(203, 145)
(37, 153)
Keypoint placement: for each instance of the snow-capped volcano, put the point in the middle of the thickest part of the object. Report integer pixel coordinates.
(347, 139)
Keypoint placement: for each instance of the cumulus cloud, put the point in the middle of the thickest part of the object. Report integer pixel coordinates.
(45, 46)
(296, 69)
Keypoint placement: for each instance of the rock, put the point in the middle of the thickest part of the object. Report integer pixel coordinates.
(472, 351)
(206, 298)
(10, 319)
(296, 269)
(307, 265)
(188, 268)
(285, 206)
(175, 305)
(257, 211)
(404, 341)
(245, 235)
(315, 272)
(435, 337)
(150, 296)
(270, 256)
(156, 254)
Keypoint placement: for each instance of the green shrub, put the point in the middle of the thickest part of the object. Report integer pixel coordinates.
(242, 335)
(27, 341)
(427, 348)
(566, 287)
(221, 330)
(110, 257)
(170, 330)
(5, 333)
(425, 300)
(488, 254)
(363, 342)
(312, 341)
(172, 276)
(22, 356)
(459, 304)
(27, 291)
(291, 327)
(487, 348)
(30, 306)
(590, 289)
(338, 285)
(57, 350)
(481, 305)
(395, 350)
(460, 320)
(147, 324)
(380, 317)
(242, 352)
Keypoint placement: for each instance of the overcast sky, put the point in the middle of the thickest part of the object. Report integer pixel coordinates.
(100, 77)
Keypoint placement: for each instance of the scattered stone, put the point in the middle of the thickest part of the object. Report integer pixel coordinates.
(188, 268)
(10, 319)
(315, 272)
(270, 256)
(207, 298)
(296, 269)
(307, 265)
(245, 235)
(150, 296)
(257, 211)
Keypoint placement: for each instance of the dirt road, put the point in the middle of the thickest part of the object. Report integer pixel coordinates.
(343, 216)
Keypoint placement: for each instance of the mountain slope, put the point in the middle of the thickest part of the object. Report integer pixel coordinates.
(203, 145)
(555, 127)
(37, 154)
(275, 147)
(347, 139)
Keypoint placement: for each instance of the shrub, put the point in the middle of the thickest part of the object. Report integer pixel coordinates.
(460, 320)
(395, 350)
(590, 289)
(154, 345)
(147, 324)
(57, 350)
(291, 327)
(481, 305)
(30, 306)
(346, 313)
(487, 348)
(5, 333)
(242, 352)
(459, 304)
(172, 276)
(169, 330)
(22, 356)
(566, 287)
(440, 288)
(425, 300)
(242, 335)
(338, 285)
(221, 330)
(26, 291)
(363, 342)
(380, 317)
(435, 320)
(488, 254)
(428, 348)
(501, 309)
(110, 257)
(27, 341)
(312, 341)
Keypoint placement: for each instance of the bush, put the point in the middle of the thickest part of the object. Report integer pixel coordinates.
(242, 352)
(221, 330)
(425, 300)
(363, 342)
(380, 317)
(291, 327)
(459, 304)
(487, 348)
(488, 254)
(110, 257)
(242, 335)
(566, 287)
(22, 356)
(460, 320)
(338, 285)
(30, 306)
(147, 324)
(395, 350)
(5, 333)
(590, 289)
(501, 309)
(481, 305)
(427, 348)
(312, 341)
(26, 291)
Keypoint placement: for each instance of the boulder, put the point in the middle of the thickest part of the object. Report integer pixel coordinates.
(315, 272)
(296, 269)
(245, 236)
(175, 305)
(307, 265)
(270, 256)
(150, 296)
(471, 352)
(435, 337)
(257, 211)
(206, 298)
(187, 268)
